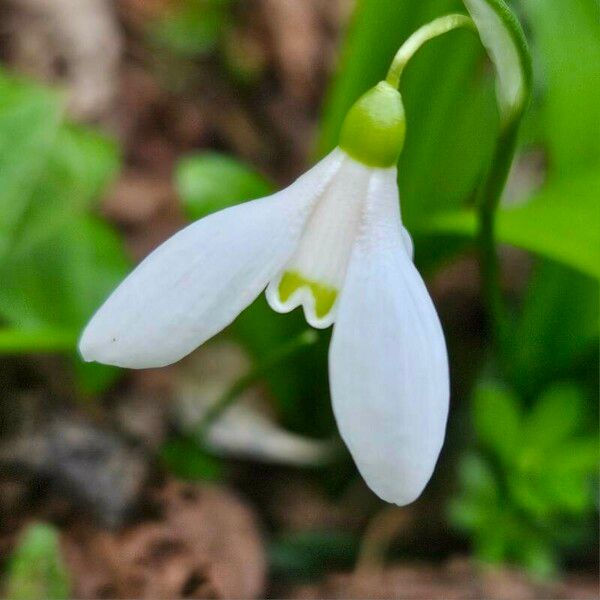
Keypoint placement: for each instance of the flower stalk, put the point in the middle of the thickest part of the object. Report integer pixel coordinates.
(488, 199)
(504, 40)
(427, 32)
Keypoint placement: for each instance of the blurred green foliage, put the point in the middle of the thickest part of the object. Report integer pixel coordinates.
(199, 179)
(35, 570)
(57, 261)
(526, 492)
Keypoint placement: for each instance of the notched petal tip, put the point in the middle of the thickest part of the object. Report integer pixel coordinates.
(290, 290)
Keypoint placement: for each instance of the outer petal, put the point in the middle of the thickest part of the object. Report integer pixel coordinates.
(388, 360)
(199, 280)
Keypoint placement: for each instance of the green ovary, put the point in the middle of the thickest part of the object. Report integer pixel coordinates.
(324, 295)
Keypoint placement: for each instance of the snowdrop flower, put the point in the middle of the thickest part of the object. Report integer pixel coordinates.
(333, 243)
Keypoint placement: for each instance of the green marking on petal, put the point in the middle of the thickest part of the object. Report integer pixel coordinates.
(323, 294)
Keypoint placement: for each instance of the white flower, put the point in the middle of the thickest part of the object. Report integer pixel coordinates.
(334, 243)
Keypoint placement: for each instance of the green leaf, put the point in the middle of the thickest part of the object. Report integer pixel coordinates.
(81, 166)
(527, 495)
(568, 491)
(497, 420)
(559, 223)
(29, 120)
(502, 35)
(210, 181)
(556, 333)
(61, 263)
(555, 416)
(36, 570)
(60, 280)
(568, 52)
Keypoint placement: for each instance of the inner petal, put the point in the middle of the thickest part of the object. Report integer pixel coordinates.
(324, 296)
(315, 274)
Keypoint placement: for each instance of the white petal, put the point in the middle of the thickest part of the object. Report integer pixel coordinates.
(199, 280)
(388, 363)
(322, 256)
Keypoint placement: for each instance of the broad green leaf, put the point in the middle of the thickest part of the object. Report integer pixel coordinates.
(36, 570)
(82, 164)
(62, 279)
(567, 44)
(29, 120)
(497, 421)
(79, 169)
(59, 280)
(211, 181)
(502, 35)
(61, 263)
(559, 223)
(556, 415)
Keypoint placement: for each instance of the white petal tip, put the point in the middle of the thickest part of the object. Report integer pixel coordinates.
(95, 348)
(399, 490)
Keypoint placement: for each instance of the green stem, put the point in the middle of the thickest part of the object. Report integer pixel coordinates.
(22, 341)
(421, 36)
(488, 200)
(280, 354)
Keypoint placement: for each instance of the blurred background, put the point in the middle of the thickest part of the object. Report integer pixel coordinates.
(223, 476)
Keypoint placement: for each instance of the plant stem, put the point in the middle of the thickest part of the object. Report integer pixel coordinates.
(488, 199)
(429, 31)
(280, 354)
(23, 341)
